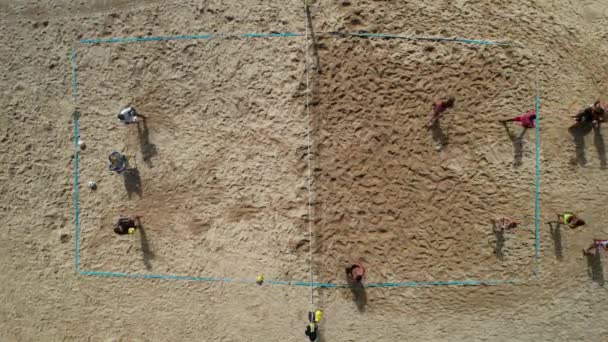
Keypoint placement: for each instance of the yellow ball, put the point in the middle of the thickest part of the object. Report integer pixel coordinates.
(259, 279)
(131, 230)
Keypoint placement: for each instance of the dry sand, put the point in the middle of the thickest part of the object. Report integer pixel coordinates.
(222, 165)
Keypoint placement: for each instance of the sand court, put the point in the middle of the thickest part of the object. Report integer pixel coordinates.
(218, 179)
(220, 166)
(219, 174)
(412, 203)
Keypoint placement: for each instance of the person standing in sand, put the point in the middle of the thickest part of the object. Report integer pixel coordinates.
(118, 162)
(126, 225)
(355, 273)
(440, 106)
(570, 219)
(504, 224)
(598, 110)
(128, 115)
(593, 114)
(595, 246)
(312, 331)
(526, 120)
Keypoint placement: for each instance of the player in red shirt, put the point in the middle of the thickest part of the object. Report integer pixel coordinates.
(439, 109)
(526, 120)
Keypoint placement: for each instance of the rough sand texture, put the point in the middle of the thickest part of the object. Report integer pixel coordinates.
(416, 203)
(218, 176)
(221, 160)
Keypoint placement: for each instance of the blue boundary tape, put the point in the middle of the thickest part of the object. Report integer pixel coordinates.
(75, 118)
(300, 283)
(268, 35)
(272, 282)
(421, 38)
(537, 171)
(277, 35)
(187, 37)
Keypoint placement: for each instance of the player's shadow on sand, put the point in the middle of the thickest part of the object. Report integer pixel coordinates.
(499, 235)
(578, 134)
(598, 141)
(145, 246)
(359, 297)
(132, 182)
(556, 235)
(439, 137)
(518, 144)
(148, 149)
(321, 337)
(595, 267)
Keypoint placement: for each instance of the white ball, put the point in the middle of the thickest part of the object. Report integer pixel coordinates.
(82, 144)
(92, 185)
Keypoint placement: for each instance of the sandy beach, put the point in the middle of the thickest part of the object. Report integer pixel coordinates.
(235, 125)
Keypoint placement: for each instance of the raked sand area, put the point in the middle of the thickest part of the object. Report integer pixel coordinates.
(224, 155)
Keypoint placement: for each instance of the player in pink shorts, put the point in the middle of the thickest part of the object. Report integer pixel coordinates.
(526, 120)
(596, 245)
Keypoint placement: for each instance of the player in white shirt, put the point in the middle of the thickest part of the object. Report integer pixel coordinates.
(128, 115)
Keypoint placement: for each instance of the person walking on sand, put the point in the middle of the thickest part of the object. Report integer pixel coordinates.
(126, 225)
(355, 273)
(439, 107)
(595, 246)
(570, 219)
(526, 120)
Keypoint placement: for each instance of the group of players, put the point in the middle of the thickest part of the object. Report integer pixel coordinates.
(593, 114)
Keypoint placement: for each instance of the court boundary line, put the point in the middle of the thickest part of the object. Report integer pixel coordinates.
(75, 189)
(302, 283)
(289, 34)
(272, 282)
(537, 179)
